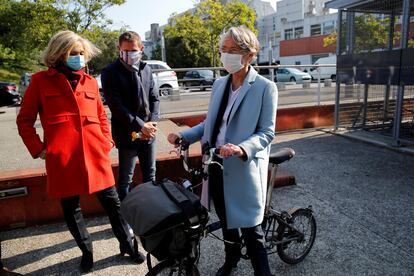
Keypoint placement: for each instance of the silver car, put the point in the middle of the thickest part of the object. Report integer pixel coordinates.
(292, 75)
(166, 81)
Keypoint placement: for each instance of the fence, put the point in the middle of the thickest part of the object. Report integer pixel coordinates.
(297, 84)
(375, 67)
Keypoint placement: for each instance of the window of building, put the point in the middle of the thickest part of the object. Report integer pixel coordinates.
(315, 29)
(298, 32)
(328, 27)
(297, 62)
(288, 34)
(274, 27)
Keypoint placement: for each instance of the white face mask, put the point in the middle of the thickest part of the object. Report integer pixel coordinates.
(231, 62)
(130, 58)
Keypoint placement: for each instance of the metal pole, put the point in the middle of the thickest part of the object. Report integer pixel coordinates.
(365, 105)
(338, 86)
(400, 94)
(318, 96)
(387, 94)
(391, 72)
(163, 55)
(272, 71)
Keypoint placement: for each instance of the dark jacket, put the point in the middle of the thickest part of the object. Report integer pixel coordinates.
(122, 93)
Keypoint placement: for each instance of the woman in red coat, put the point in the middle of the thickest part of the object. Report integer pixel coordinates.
(76, 141)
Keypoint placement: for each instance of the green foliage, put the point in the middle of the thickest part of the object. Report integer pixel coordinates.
(8, 76)
(156, 53)
(192, 39)
(107, 42)
(25, 30)
(371, 33)
(81, 15)
(27, 26)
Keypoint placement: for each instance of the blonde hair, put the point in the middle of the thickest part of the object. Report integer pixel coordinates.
(243, 37)
(62, 43)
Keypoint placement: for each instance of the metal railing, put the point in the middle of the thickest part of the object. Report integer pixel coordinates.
(317, 87)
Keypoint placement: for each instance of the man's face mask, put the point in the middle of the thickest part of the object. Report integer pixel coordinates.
(130, 57)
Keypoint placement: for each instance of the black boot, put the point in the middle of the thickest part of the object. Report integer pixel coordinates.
(87, 262)
(77, 227)
(132, 251)
(226, 269)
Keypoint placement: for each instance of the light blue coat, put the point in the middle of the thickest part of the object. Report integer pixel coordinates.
(251, 126)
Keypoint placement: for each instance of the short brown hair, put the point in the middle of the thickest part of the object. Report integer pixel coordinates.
(130, 36)
(61, 44)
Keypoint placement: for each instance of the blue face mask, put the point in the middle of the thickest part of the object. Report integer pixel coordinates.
(76, 62)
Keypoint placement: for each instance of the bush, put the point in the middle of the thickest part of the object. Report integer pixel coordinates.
(8, 76)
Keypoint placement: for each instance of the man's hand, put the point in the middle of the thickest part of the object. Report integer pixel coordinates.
(149, 129)
(228, 150)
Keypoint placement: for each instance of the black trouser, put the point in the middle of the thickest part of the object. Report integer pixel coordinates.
(76, 224)
(253, 236)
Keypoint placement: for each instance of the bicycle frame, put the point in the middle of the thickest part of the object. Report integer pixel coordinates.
(278, 227)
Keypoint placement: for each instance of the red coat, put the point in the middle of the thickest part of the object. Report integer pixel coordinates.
(76, 133)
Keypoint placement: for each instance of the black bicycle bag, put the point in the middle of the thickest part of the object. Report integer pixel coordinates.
(160, 214)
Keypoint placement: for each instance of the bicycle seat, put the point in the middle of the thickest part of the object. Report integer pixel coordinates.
(281, 155)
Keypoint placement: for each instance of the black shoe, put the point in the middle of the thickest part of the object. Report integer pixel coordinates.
(87, 262)
(132, 251)
(226, 269)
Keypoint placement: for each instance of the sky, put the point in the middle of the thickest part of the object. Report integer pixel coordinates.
(139, 14)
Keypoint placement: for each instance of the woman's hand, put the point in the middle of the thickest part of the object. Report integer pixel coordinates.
(172, 137)
(228, 150)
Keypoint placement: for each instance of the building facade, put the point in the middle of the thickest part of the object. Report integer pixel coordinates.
(294, 33)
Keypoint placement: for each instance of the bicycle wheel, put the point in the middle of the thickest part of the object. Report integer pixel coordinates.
(301, 237)
(178, 268)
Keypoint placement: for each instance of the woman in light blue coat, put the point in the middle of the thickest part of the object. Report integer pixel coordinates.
(241, 122)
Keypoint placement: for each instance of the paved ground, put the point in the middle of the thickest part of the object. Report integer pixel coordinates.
(363, 197)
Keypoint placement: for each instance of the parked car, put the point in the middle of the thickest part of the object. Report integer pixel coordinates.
(9, 94)
(201, 79)
(324, 72)
(165, 81)
(291, 75)
(98, 79)
(24, 83)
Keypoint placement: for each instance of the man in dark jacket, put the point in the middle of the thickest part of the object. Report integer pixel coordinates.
(129, 90)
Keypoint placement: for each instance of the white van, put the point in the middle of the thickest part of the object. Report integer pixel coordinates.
(325, 72)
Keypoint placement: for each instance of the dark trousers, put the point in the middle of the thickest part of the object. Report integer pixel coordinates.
(253, 236)
(76, 224)
(127, 161)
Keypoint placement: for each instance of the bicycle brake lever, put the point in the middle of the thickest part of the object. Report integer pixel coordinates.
(175, 150)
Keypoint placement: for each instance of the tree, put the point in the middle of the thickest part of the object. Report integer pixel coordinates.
(82, 15)
(27, 26)
(192, 39)
(371, 33)
(107, 42)
(25, 30)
